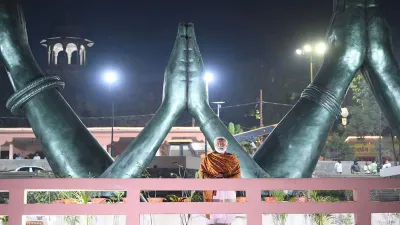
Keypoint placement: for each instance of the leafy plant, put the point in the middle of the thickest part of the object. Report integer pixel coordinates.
(336, 144)
(280, 196)
(42, 197)
(117, 197)
(321, 218)
(196, 196)
(4, 220)
(146, 174)
(72, 220)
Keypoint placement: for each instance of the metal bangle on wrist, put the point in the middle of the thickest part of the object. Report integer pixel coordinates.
(324, 98)
(17, 101)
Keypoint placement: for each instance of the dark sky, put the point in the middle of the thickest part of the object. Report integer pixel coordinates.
(240, 41)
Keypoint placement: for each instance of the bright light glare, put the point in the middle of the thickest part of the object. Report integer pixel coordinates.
(110, 77)
(307, 48)
(208, 77)
(320, 48)
(345, 112)
(299, 52)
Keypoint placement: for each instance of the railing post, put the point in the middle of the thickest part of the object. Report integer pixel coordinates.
(133, 204)
(254, 216)
(362, 216)
(16, 203)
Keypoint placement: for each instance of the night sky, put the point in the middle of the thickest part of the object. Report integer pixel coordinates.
(246, 44)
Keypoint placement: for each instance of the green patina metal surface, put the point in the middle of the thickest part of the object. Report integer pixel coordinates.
(69, 147)
(358, 39)
(141, 151)
(210, 124)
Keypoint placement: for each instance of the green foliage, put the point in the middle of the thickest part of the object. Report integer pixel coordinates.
(146, 174)
(336, 144)
(72, 220)
(43, 197)
(117, 197)
(234, 129)
(231, 128)
(322, 218)
(365, 113)
(4, 220)
(238, 129)
(254, 113)
(196, 196)
(365, 116)
(280, 196)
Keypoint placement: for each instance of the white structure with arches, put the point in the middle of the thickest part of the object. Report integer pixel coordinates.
(66, 50)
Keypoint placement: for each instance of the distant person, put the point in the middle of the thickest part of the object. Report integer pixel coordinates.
(15, 156)
(373, 167)
(220, 165)
(355, 168)
(367, 168)
(37, 156)
(18, 157)
(339, 167)
(386, 165)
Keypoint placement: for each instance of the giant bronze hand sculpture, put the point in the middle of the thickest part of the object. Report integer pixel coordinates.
(199, 107)
(381, 69)
(293, 148)
(184, 86)
(69, 147)
(141, 151)
(67, 144)
(358, 37)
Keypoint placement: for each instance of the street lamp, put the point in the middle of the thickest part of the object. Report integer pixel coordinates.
(208, 77)
(344, 114)
(309, 51)
(110, 77)
(219, 104)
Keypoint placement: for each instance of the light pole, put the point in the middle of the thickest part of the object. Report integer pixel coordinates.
(111, 78)
(208, 77)
(309, 51)
(219, 104)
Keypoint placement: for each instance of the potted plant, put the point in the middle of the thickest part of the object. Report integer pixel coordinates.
(241, 196)
(300, 197)
(96, 199)
(273, 195)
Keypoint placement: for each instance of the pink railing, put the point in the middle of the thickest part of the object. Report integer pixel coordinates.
(362, 207)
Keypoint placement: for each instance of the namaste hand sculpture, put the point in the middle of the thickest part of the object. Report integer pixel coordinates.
(69, 147)
(358, 38)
